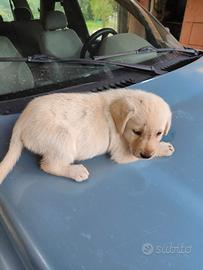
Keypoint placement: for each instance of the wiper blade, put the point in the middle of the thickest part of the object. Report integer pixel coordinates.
(149, 49)
(96, 62)
(38, 58)
(41, 58)
(13, 59)
(138, 51)
(160, 50)
(82, 62)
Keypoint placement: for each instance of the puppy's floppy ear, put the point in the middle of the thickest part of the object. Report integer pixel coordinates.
(168, 124)
(121, 112)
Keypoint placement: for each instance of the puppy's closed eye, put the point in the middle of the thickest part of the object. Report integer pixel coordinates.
(159, 133)
(137, 132)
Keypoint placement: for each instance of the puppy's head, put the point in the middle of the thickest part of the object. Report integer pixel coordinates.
(142, 119)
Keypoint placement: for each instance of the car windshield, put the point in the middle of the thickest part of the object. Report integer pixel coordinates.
(65, 30)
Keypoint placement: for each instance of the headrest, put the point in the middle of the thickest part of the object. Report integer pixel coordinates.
(1, 19)
(55, 20)
(22, 14)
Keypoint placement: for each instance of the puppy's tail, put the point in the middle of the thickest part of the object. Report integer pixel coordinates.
(12, 156)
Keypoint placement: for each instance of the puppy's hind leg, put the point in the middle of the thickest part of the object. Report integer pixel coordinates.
(59, 167)
(59, 154)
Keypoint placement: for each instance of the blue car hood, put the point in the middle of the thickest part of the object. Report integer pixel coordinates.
(143, 215)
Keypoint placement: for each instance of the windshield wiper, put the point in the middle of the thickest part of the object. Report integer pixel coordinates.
(162, 50)
(149, 49)
(91, 62)
(38, 58)
(81, 62)
(96, 62)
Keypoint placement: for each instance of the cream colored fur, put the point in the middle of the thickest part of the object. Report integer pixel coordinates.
(64, 128)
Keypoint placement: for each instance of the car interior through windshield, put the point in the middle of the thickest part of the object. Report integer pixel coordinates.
(71, 30)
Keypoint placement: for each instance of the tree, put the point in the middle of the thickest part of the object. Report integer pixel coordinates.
(102, 9)
(86, 9)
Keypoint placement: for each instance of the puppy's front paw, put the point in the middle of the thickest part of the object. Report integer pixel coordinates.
(78, 172)
(165, 149)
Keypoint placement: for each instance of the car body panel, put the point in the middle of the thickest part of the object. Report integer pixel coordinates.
(8, 257)
(125, 216)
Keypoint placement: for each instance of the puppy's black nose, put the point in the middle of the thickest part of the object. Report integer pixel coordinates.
(143, 155)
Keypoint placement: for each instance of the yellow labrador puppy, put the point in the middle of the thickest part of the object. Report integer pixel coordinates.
(63, 128)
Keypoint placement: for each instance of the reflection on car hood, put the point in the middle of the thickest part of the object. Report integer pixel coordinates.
(124, 216)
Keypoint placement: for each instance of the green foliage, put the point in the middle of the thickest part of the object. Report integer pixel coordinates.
(93, 26)
(97, 10)
(102, 10)
(34, 6)
(5, 10)
(97, 13)
(86, 9)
